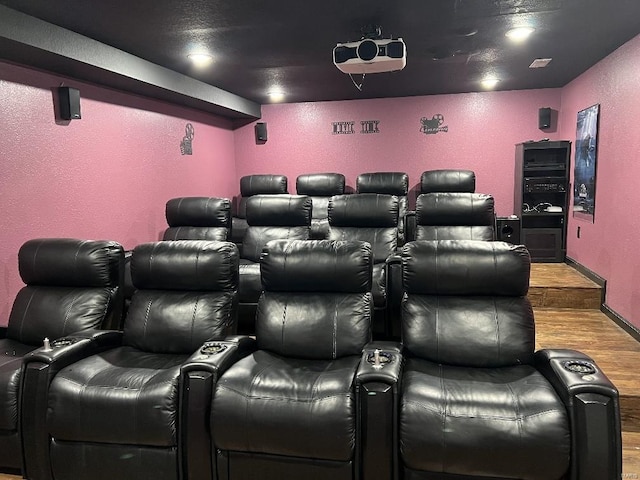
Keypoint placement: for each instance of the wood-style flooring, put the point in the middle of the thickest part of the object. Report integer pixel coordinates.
(566, 306)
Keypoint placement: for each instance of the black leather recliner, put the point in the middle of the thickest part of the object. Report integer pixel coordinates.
(440, 181)
(251, 185)
(320, 187)
(270, 217)
(71, 285)
(455, 216)
(295, 408)
(389, 183)
(476, 401)
(109, 405)
(189, 218)
(198, 218)
(373, 218)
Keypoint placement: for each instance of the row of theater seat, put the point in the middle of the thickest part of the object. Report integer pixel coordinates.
(443, 213)
(322, 186)
(174, 396)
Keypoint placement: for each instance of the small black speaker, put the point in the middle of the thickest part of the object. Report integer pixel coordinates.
(261, 132)
(544, 118)
(508, 229)
(69, 103)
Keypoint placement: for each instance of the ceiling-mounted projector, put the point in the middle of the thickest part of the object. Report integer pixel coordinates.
(370, 56)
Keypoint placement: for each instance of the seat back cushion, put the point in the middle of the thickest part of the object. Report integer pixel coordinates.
(273, 217)
(198, 212)
(392, 183)
(71, 285)
(448, 181)
(455, 209)
(186, 294)
(316, 302)
(198, 218)
(465, 303)
(258, 185)
(320, 184)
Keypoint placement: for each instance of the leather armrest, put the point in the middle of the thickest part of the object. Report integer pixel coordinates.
(216, 356)
(40, 367)
(69, 349)
(198, 378)
(395, 293)
(572, 372)
(410, 226)
(388, 372)
(594, 411)
(377, 393)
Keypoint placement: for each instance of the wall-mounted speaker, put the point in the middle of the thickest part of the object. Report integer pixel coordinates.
(69, 103)
(261, 132)
(544, 118)
(508, 230)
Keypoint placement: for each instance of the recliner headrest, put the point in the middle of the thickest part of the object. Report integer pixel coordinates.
(455, 209)
(465, 267)
(316, 266)
(69, 262)
(199, 212)
(187, 265)
(320, 184)
(392, 183)
(262, 184)
(364, 210)
(448, 181)
(279, 210)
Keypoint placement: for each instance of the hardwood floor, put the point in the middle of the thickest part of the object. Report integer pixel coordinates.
(566, 317)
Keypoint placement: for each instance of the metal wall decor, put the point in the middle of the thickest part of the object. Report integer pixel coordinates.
(185, 144)
(584, 184)
(343, 128)
(369, 126)
(433, 125)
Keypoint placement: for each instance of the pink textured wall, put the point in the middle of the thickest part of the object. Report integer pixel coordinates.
(609, 246)
(482, 131)
(106, 176)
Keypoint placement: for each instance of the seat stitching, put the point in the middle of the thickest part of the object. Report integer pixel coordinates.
(517, 418)
(24, 314)
(443, 412)
(282, 399)
(68, 312)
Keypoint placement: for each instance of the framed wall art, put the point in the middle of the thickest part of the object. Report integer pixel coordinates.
(584, 179)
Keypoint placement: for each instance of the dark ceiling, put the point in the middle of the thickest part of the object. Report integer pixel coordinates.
(451, 44)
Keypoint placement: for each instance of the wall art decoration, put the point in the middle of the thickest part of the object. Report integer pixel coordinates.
(369, 126)
(584, 174)
(433, 125)
(185, 144)
(343, 128)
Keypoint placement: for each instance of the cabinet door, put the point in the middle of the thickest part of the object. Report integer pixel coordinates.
(544, 244)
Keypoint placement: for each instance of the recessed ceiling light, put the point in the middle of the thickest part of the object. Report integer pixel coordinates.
(520, 33)
(540, 63)
(200, 59)
(276, 95)
(489, 83)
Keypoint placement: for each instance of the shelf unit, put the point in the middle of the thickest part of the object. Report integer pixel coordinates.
(542, 181)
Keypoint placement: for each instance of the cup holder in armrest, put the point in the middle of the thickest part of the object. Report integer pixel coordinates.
(63, 342)
(379, 359)
(580, 367)
(213, 348)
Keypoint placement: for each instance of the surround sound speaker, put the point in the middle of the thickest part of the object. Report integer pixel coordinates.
(544, 118)
(508, 230)
(69, 103)
(261, 132)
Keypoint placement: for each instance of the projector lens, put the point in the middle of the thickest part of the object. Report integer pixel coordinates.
(367, 50)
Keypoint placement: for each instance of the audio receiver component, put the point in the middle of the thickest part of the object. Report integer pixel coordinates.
(544, 184)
